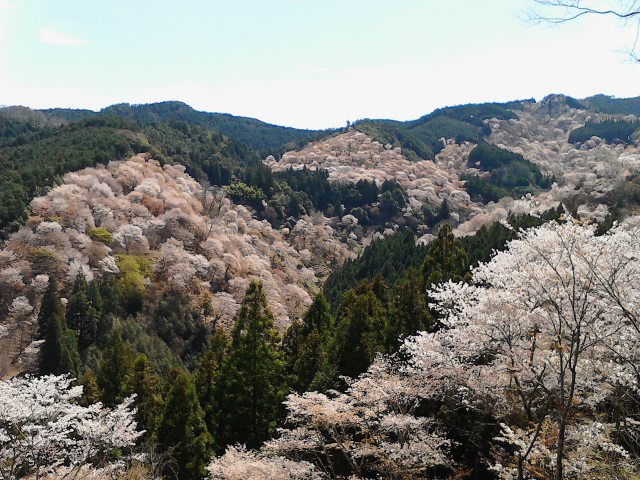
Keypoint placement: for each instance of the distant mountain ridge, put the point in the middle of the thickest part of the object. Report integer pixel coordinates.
(38, 146)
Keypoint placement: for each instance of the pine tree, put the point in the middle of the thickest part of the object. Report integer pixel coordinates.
(81, 315)
(408, 312)
(142, 382)
(59, 353)
(445, 260)
(117, 361)
(206, 378)
(305, 344)
(183, 431)
(90, 389)
(251, 385)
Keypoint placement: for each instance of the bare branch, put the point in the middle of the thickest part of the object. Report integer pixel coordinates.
(574, 9)
(558, 12)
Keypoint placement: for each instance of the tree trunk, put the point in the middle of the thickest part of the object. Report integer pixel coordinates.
(562, 428)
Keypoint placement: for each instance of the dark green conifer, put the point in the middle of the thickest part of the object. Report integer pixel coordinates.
(145, 384)
(445, 260)
(306, 344)
(251, 384)
(81, 315)
(116, 366)
(206, 378)
(183, 431)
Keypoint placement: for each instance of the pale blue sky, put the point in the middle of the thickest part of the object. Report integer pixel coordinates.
(303, 63)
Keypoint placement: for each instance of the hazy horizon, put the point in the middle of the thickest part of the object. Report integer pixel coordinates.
(97, 110)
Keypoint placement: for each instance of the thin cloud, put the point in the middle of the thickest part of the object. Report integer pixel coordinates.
(53, 37)
(6, 4)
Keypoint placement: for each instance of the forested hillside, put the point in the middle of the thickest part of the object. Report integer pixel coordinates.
(192, 295)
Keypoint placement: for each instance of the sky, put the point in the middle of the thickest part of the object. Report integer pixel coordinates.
(303, 63)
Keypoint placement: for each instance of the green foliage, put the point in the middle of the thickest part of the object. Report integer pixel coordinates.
(445, 260)
(206, 377)
(145, 385)
(612, 105)
(507, 174)
(100, 234)
(408, 311)
(612, 131)
(116, 366)
(262, 137)
(90, 389)
(183, 432)
(305, 345)
(242, 193)
(360, 331)
(130, 287)
(421, 138)
(388, 257)
(251, 383)
(83, 314)
(59, 352)
(180, 327)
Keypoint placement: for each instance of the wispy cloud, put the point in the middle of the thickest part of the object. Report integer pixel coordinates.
(53, 37)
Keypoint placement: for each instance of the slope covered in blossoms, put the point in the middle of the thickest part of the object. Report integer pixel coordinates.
(353, 156)
(585, 173)
(102, 216)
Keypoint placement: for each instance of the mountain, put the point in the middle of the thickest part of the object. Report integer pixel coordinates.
(210, 267)
(613, 105)
(421, 138)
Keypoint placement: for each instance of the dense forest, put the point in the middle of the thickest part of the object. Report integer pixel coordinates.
(609, 130)
(421, 138)
(173, 305)
(503, 173)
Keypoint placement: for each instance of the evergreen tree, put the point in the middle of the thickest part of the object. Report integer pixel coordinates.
(94, 296)
(59, 353)
(445, 260)
(142, 382)
(305, 344)
(49, 307)
(206, 378)
(90, 389)
(117, 362)
(359, 335)
(251, 384)
(183, 431)
(109, 295)
(81, 315)
(408, 312)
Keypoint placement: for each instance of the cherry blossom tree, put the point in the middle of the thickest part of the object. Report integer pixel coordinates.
(239, 464)
(542, 339)
(42, 428)
(372, 428)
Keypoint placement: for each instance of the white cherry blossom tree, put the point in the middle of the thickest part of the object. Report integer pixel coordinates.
(43, 429)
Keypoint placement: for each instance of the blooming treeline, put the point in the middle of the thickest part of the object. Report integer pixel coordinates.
(353, 156)
(540, 134)
(45, 432)
(102, 216)
(542, 349)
